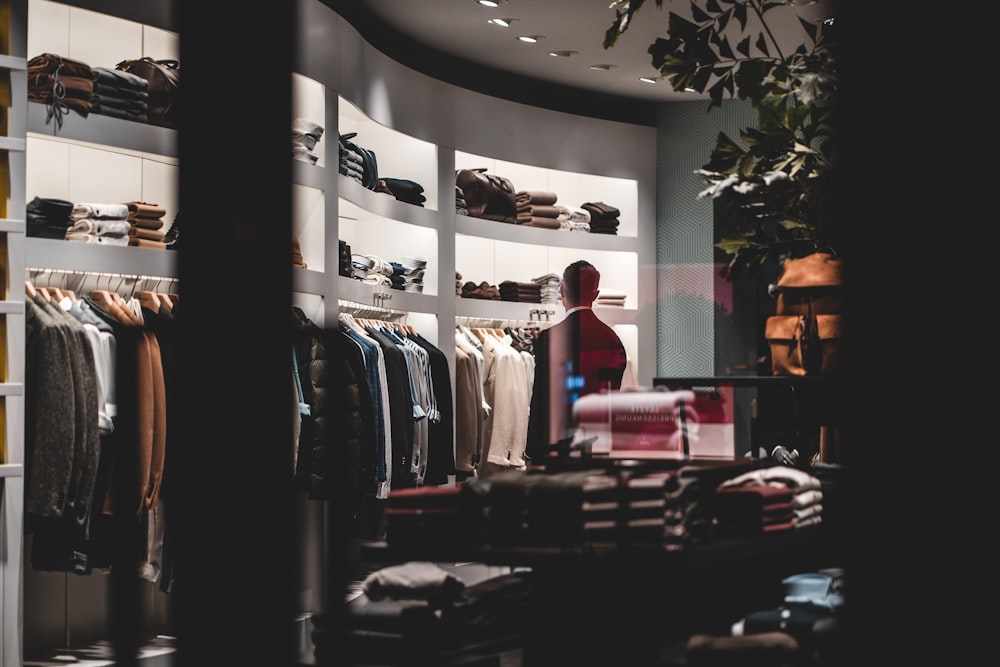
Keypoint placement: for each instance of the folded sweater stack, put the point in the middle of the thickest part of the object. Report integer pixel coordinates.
(603, 217)
(99, 223)
(146, 225)
(536, 208)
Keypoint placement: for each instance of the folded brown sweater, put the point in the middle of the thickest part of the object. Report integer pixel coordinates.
(540, 210)
(145, 243)
(536, 221)
(141, 209)
(146, 233)
(544, 197)
(147, 223)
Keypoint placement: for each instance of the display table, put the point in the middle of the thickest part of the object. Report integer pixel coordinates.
(601, 606)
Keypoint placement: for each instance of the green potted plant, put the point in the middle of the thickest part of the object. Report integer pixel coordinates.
(772, 186)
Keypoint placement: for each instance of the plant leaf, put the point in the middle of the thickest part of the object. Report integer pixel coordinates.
(762, 44)
(699, 14)
(732, 246)
(725, 50)
(726, 155)
(811, 29)
(740, 14)
(744, 47)
(723, 21)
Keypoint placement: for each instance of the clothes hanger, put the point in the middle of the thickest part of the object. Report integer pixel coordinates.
(125, 305)
(109, 304)
(167, 299)
(149, 299)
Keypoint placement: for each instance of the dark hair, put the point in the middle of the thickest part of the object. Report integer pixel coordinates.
(580, 277)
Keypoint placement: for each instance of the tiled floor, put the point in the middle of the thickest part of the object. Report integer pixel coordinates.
(157, 653)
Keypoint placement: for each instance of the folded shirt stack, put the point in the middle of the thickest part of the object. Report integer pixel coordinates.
(523, 292)
(99, 223)
(603, 217)
(305, 135)
(610, 297)
(48, 218)
(573, 218)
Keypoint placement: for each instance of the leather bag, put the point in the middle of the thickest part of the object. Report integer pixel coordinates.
(805, 334)
(164, 77)
(487, 196)
(803, 344)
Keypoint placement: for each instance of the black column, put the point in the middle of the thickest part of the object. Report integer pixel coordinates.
(233, 602)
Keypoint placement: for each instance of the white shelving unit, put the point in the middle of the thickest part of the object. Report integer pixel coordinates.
(420, 129)
(13, 93)
(95, 159)
(403, 117)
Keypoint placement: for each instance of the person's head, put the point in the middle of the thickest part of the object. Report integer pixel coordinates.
(579, 284)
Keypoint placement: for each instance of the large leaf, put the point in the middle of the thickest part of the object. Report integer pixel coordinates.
(761, 44)
(726, 155)
(699, 14)
(680, 72)
(725, 50)
(740, 14)
(680, 28)
(811, 29)
(744, 47)
(750, 78)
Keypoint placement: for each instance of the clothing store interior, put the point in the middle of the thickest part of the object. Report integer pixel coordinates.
(602, 341)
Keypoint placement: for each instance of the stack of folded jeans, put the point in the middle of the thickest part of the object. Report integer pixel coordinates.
(119, 94)
(344, 265)
(413, 273)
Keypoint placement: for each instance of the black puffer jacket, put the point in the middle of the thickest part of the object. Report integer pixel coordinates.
(336, 449)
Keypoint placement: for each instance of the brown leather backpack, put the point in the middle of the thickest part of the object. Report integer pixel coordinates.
(164, 81)
(487, 195)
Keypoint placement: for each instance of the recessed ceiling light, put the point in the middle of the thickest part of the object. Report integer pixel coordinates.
(563, 54)
(490, 3)
(530, 39)
(603, 67)
(503, 23)
(646, 79)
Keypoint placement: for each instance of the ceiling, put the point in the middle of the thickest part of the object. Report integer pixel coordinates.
(451, 39)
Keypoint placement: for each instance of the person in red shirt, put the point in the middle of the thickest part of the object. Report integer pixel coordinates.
(577, 356)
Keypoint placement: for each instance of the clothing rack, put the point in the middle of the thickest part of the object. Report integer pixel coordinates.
(494, 323)
(368, 311)
(81, 282)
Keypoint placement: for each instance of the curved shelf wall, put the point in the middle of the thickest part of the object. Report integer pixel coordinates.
(359, 203)
(501, 231)
(112, 133)
(73, 256)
